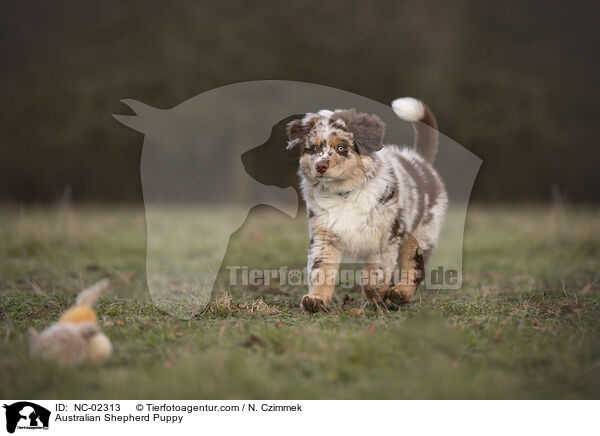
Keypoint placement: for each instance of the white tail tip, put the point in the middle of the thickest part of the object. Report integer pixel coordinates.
(409, 109)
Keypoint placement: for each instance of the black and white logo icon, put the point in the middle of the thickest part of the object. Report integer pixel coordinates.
(26, 415)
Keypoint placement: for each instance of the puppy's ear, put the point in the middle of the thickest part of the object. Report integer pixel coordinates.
(296, 130)
(368, 130)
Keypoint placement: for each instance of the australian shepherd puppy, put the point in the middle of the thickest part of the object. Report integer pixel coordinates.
(380, 203)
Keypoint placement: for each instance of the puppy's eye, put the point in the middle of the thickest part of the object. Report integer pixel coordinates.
(315, 147)
(342, 148)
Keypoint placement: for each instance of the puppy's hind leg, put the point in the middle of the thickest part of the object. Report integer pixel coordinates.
(378, 274)
(412, 272)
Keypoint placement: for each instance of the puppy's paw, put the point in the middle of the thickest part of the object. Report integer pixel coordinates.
(399, 295)
(376, 294)
(313, 304)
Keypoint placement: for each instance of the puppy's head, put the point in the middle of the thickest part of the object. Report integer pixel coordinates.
(336, 147)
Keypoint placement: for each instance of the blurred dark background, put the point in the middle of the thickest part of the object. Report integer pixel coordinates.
(515, 82)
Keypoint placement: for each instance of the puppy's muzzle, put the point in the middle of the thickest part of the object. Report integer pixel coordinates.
(322, 166)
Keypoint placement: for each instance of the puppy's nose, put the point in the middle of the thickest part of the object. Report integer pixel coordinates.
(322, 166)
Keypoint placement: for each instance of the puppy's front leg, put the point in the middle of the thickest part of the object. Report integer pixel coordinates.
(323, 263)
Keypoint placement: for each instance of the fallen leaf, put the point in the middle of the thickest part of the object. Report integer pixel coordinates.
(126, 277)
(252, 341)
(494, 276)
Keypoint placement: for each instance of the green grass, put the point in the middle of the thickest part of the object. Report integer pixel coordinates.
(526, 323)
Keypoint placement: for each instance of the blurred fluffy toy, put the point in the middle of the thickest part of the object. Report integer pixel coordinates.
(76, 338)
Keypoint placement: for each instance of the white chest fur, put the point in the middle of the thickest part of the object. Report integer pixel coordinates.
(356, 218)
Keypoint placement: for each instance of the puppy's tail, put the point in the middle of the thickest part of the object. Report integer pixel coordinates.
(423, 122)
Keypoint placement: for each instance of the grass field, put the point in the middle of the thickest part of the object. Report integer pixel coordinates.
(526, 323)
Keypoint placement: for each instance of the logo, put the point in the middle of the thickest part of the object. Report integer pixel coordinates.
(26, 415)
